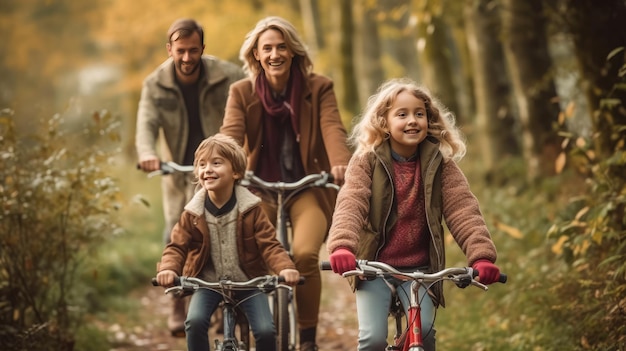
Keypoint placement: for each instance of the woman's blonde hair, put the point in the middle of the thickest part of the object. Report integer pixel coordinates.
(224, 146)
(296, 45)
(372, 129)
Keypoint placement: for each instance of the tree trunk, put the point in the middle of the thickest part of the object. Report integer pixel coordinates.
(349, 90)
(311, 24)
(494, 120)
(401, 37)
(597, 29)
(368, 59)
(433, 47)
(461, 63)
(529, 63)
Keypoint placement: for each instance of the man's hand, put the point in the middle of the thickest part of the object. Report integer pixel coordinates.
(149, 163)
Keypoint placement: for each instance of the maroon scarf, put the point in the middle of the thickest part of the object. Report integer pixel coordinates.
(277, 113)
(280, 108)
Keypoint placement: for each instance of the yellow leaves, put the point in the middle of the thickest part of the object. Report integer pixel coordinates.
(511, 231)
(557, 248)
(559, 163)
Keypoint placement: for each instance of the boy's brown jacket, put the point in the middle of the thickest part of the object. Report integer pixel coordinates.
(365, 211)
(257, 246)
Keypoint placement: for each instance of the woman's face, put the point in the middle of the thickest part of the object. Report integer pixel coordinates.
(273, 54)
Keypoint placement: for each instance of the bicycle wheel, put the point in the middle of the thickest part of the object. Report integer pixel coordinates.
(281, 319)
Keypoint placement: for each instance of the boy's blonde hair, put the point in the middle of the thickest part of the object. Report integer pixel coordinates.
(253, 68)
(372, 129)
(226, 147)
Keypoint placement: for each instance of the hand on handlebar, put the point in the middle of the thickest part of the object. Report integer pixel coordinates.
(166, 278)
(488, 273)
(149, 163)
(342, 260)
(338, 173)
(291, 276)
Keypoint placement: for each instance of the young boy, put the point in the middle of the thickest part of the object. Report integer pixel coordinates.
(224, 232)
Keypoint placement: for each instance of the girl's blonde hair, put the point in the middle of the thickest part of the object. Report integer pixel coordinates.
(224, 146)
(296, 45)
(372, 129)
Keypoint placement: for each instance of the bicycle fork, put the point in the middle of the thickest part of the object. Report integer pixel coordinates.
(230, 341)
(411, 339)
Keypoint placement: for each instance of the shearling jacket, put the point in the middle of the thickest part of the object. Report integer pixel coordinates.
(322, 134)
(365, 211)
(257, 246)
(162, 107)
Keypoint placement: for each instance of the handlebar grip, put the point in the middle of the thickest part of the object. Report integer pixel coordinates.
(155, 283)
(325, 266)
(281, 279)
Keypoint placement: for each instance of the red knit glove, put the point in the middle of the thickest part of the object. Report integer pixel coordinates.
(488, 273)
(342, 260)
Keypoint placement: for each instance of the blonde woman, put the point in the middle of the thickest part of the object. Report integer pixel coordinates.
(287, 118)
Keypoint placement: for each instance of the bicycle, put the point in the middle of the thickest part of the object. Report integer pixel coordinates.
(283, 302)
(408, 329)
(232, 314)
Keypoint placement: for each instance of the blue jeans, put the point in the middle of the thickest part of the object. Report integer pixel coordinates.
(373, 299)
(257, 309)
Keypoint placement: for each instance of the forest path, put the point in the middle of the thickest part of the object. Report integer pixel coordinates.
(337, 328)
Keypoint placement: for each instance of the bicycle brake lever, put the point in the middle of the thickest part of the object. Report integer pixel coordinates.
(369, 273)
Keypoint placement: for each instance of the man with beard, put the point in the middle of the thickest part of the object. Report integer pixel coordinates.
(183, 101)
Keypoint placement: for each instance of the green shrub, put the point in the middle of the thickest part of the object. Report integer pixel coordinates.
(58, 203)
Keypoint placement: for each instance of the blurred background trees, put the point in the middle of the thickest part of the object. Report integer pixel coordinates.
(537, 86)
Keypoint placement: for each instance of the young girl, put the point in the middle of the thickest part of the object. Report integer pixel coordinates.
(224, 232)
(401, 183)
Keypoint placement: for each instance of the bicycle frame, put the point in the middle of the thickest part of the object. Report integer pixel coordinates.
(282, 302)
(411, 339)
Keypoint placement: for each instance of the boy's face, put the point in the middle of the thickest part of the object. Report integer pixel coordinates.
(215, 173)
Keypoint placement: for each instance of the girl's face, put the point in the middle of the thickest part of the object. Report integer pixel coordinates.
(215, 174)
(273, 54)
(408, 123)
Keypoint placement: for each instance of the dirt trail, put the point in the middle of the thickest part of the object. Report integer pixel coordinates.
(337, 329)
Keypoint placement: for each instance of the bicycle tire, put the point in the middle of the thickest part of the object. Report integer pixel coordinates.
(282, 320)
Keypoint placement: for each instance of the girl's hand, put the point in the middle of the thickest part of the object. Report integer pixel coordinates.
(291, 276)
(342, 260)
(166, 278)
(488, 273)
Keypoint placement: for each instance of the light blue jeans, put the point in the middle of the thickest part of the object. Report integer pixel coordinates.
(373, 299)
(257, 309)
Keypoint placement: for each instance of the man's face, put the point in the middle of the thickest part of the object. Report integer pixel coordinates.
(187, 53)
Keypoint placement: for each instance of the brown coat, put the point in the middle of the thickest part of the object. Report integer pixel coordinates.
(258, 249)
(322, 134)
(365, 211)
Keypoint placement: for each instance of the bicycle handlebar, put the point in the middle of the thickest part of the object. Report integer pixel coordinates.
(322, 179)
(461, 276)
(169, 168)
(265, 282)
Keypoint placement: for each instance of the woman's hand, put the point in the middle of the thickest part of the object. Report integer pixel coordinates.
(338, 173)
(291, 276)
